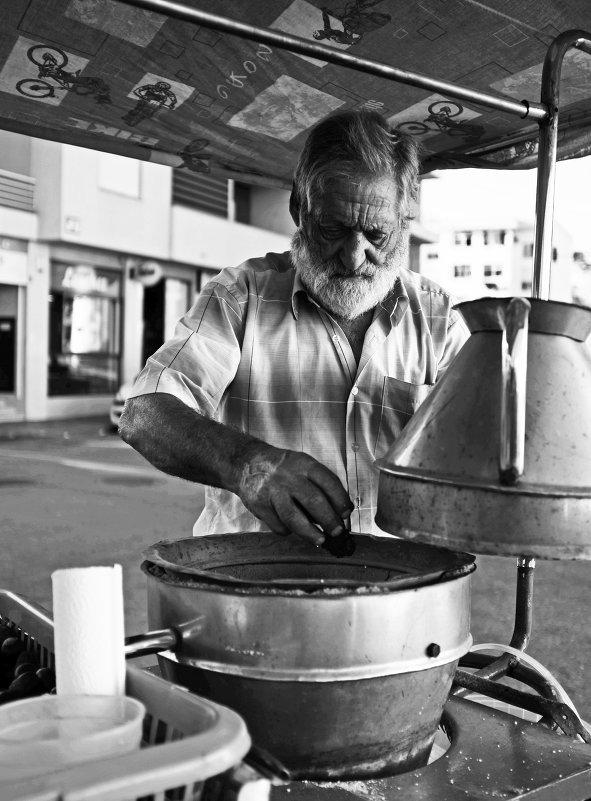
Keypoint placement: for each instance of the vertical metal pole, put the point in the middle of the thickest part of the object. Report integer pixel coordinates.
(524, 595)
(544, 208)
(547, 146)
(523, 619)
(524, 598)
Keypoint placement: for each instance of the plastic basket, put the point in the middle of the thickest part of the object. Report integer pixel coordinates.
(188, 741)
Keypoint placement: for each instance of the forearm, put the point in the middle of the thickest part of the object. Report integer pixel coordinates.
(181, 442)
(289, 491)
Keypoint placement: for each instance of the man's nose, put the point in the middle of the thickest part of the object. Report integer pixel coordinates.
(352, 252)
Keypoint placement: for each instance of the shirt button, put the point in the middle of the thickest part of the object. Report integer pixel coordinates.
(355, 390)
(355, 447)
(336, 338)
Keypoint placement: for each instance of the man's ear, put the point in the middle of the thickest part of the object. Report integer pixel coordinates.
(294, 206)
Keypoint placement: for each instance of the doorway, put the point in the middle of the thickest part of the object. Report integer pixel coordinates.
(9, 305)
(8, 354)
(164, 304)
(153, 316)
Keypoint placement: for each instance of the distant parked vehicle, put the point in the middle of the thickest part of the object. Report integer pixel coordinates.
(116, 408)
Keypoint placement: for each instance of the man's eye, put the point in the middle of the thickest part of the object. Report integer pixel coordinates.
(377, 238)
(331, 231)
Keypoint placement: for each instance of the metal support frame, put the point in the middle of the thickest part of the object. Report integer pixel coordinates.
(295, 44)
(547, 145)
(496, 668)
(523, 619)
(553, 712)
(518, 671)
(557, 713)
(490, 668)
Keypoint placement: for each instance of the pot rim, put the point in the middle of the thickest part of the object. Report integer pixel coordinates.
(412, 564)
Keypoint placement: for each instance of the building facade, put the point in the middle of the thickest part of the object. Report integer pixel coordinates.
(496, 261)
(483, 244)
(99, 257)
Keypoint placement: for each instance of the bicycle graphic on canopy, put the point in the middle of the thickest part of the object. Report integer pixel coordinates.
(355, 19)
(441, 118)
(52, 76)
(152, 97)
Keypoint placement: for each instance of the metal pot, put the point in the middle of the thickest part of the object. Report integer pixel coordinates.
(497, 459)
(340, 667)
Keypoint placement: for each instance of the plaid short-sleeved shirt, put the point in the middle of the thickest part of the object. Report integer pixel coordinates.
(257, 353)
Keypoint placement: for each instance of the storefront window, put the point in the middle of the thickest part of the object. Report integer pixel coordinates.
(84, 330)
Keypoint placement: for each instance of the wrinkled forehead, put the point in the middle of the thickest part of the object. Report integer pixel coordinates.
(350, 198)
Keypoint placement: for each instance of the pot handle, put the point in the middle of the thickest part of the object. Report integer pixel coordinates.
(152, 642)
(513, 390)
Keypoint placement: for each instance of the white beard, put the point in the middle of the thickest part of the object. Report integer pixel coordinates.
(347, 296)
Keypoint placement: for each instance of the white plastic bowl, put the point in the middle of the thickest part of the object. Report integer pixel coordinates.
(52, 732)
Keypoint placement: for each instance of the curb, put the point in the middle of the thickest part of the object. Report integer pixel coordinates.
(61, 429)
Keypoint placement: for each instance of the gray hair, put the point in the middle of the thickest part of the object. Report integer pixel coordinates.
(360, 141)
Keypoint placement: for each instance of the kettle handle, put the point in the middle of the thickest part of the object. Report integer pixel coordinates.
(513, 390)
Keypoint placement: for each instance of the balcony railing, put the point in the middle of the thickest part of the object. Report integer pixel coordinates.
(17, 191)
(203, 192)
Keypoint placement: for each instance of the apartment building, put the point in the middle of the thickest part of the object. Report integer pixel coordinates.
(496, 259)
(484, 235)
(99, 257)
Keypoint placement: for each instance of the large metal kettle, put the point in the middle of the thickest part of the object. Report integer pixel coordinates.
(497, 460)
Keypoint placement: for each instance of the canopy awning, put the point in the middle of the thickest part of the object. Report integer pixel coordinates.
(156, 85)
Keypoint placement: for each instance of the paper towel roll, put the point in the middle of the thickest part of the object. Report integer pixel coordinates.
(89, 631)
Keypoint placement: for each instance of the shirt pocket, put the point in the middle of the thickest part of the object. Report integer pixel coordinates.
(400, 400)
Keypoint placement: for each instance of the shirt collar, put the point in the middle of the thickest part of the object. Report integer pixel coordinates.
(396, 304)
(297, 292)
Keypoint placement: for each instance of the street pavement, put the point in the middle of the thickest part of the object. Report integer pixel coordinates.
(73, 494)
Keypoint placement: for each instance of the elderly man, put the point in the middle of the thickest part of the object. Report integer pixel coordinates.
(293, 372)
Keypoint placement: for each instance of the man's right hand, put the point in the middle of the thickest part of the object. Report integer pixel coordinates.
(289, 491)
(293, 493)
